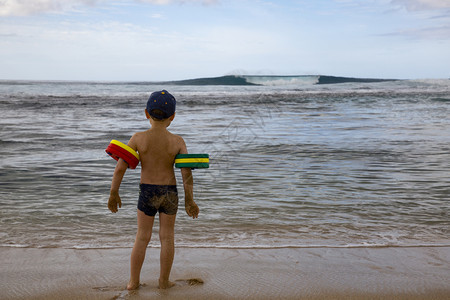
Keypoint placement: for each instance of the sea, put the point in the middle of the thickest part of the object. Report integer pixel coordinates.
(293, 163)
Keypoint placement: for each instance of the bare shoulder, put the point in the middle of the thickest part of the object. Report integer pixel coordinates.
(136, 139)
(181, 145)
(139, 135)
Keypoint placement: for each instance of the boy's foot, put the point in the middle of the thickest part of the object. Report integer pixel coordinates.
(132, 286)
(165, 284)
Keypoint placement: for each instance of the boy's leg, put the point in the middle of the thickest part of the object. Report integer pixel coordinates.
(166, 236)
(143, 235)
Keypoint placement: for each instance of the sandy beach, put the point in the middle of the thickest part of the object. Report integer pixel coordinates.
(287, 273)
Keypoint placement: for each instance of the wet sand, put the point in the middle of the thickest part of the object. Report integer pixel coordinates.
(296, 273)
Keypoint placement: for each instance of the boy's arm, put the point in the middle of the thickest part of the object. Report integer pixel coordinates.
(114, 198)
(188, 184)
(119, 172)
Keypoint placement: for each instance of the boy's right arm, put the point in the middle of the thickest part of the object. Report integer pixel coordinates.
(114, 198)
(119, 172)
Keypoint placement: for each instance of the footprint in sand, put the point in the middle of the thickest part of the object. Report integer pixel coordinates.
(114, 288)
(107, 288)
(124, 293)
(191, 281)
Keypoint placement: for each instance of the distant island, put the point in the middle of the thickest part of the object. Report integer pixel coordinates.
(271, 79)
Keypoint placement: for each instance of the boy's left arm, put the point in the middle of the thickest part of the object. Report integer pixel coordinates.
(188, 183)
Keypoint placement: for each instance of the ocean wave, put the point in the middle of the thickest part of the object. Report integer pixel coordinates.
(222, 80)
(300, 80)
(323, 79)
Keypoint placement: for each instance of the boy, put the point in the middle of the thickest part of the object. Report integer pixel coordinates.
(157, 149)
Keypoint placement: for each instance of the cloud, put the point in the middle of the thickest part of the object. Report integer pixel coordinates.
(431, 33)
(164, 2)
(25, 7)
(437, 14)
(415, 5)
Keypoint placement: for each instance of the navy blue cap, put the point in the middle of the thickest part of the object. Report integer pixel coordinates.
(163, 101)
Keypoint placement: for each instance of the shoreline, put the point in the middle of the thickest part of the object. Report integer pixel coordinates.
(250, 247)
(288, 273)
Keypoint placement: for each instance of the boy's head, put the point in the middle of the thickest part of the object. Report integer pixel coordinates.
(161, 105)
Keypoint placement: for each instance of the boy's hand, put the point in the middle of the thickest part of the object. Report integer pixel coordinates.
(192, 210)
(114, 200)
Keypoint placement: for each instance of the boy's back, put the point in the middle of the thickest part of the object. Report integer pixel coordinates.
(157, 149)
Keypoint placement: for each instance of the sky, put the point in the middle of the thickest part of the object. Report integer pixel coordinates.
(157, 40)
